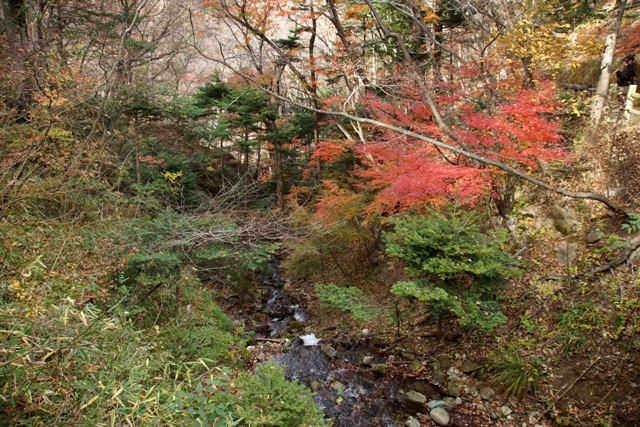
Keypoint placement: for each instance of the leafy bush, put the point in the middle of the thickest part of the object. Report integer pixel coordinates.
(350, 299)
(455, 266)
(266, 398)
(515, 375)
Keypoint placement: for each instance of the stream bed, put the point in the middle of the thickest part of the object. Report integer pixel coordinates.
(355, 381)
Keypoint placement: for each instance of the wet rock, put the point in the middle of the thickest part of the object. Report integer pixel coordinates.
(505, 410)
(415, 397)
(594, 236)
(305, 364)
(566, 253)
(487, 393)
(439, 404)
(379, 368)
(328, 351)
(440, 416)
(412, 422)
(469, 367)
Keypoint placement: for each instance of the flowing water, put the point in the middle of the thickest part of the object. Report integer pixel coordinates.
(352, 377)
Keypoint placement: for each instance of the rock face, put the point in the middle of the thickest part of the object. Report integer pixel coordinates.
(566, 253)
(440, 416)
(564, 220)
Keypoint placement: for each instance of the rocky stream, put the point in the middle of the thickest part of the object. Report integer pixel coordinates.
(358, 381)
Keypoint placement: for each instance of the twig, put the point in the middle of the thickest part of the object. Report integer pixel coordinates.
(278, 340)
(566, 390)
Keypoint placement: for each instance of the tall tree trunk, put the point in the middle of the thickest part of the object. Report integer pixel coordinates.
(602, 89)
(15, 16)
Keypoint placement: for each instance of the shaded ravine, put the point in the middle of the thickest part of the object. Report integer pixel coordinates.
(352, 377)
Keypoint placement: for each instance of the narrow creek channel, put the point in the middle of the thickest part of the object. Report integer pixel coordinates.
(356, 383)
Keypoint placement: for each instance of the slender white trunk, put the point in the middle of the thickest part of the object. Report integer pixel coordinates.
(602, 89)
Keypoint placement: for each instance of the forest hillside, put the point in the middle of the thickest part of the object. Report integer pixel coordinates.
(346, 213)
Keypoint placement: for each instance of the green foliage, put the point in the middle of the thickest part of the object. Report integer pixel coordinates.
(576, 324)
(514, 374)
(456, 267)
(73, 365)
(349, 299)
(469, 310)
(266, 398)
(633, 223)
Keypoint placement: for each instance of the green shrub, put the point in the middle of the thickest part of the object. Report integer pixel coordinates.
(266, 398)
(349, 299)
(455, 267)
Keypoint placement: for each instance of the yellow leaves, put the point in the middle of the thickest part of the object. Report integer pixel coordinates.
(173, 177)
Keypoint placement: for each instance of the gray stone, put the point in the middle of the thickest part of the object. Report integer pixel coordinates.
(415, 397)
(440, 416)
(412, 422)
(454, 374)
(444, 362)
(566, 253)
(453, 390)
(439, 404)
(329, 351)
(564, 220)
(472, 390)
(505, 410)
(450, 400)
(438, 378)
(594, 236)
(468, 366)
(364, 333)
(367, 360)
(379, 368)
(533, 417)
(487, 393)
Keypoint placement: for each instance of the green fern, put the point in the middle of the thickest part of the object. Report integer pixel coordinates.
(633, 223)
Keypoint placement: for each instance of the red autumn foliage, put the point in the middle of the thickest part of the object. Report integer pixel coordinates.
(403, 172)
